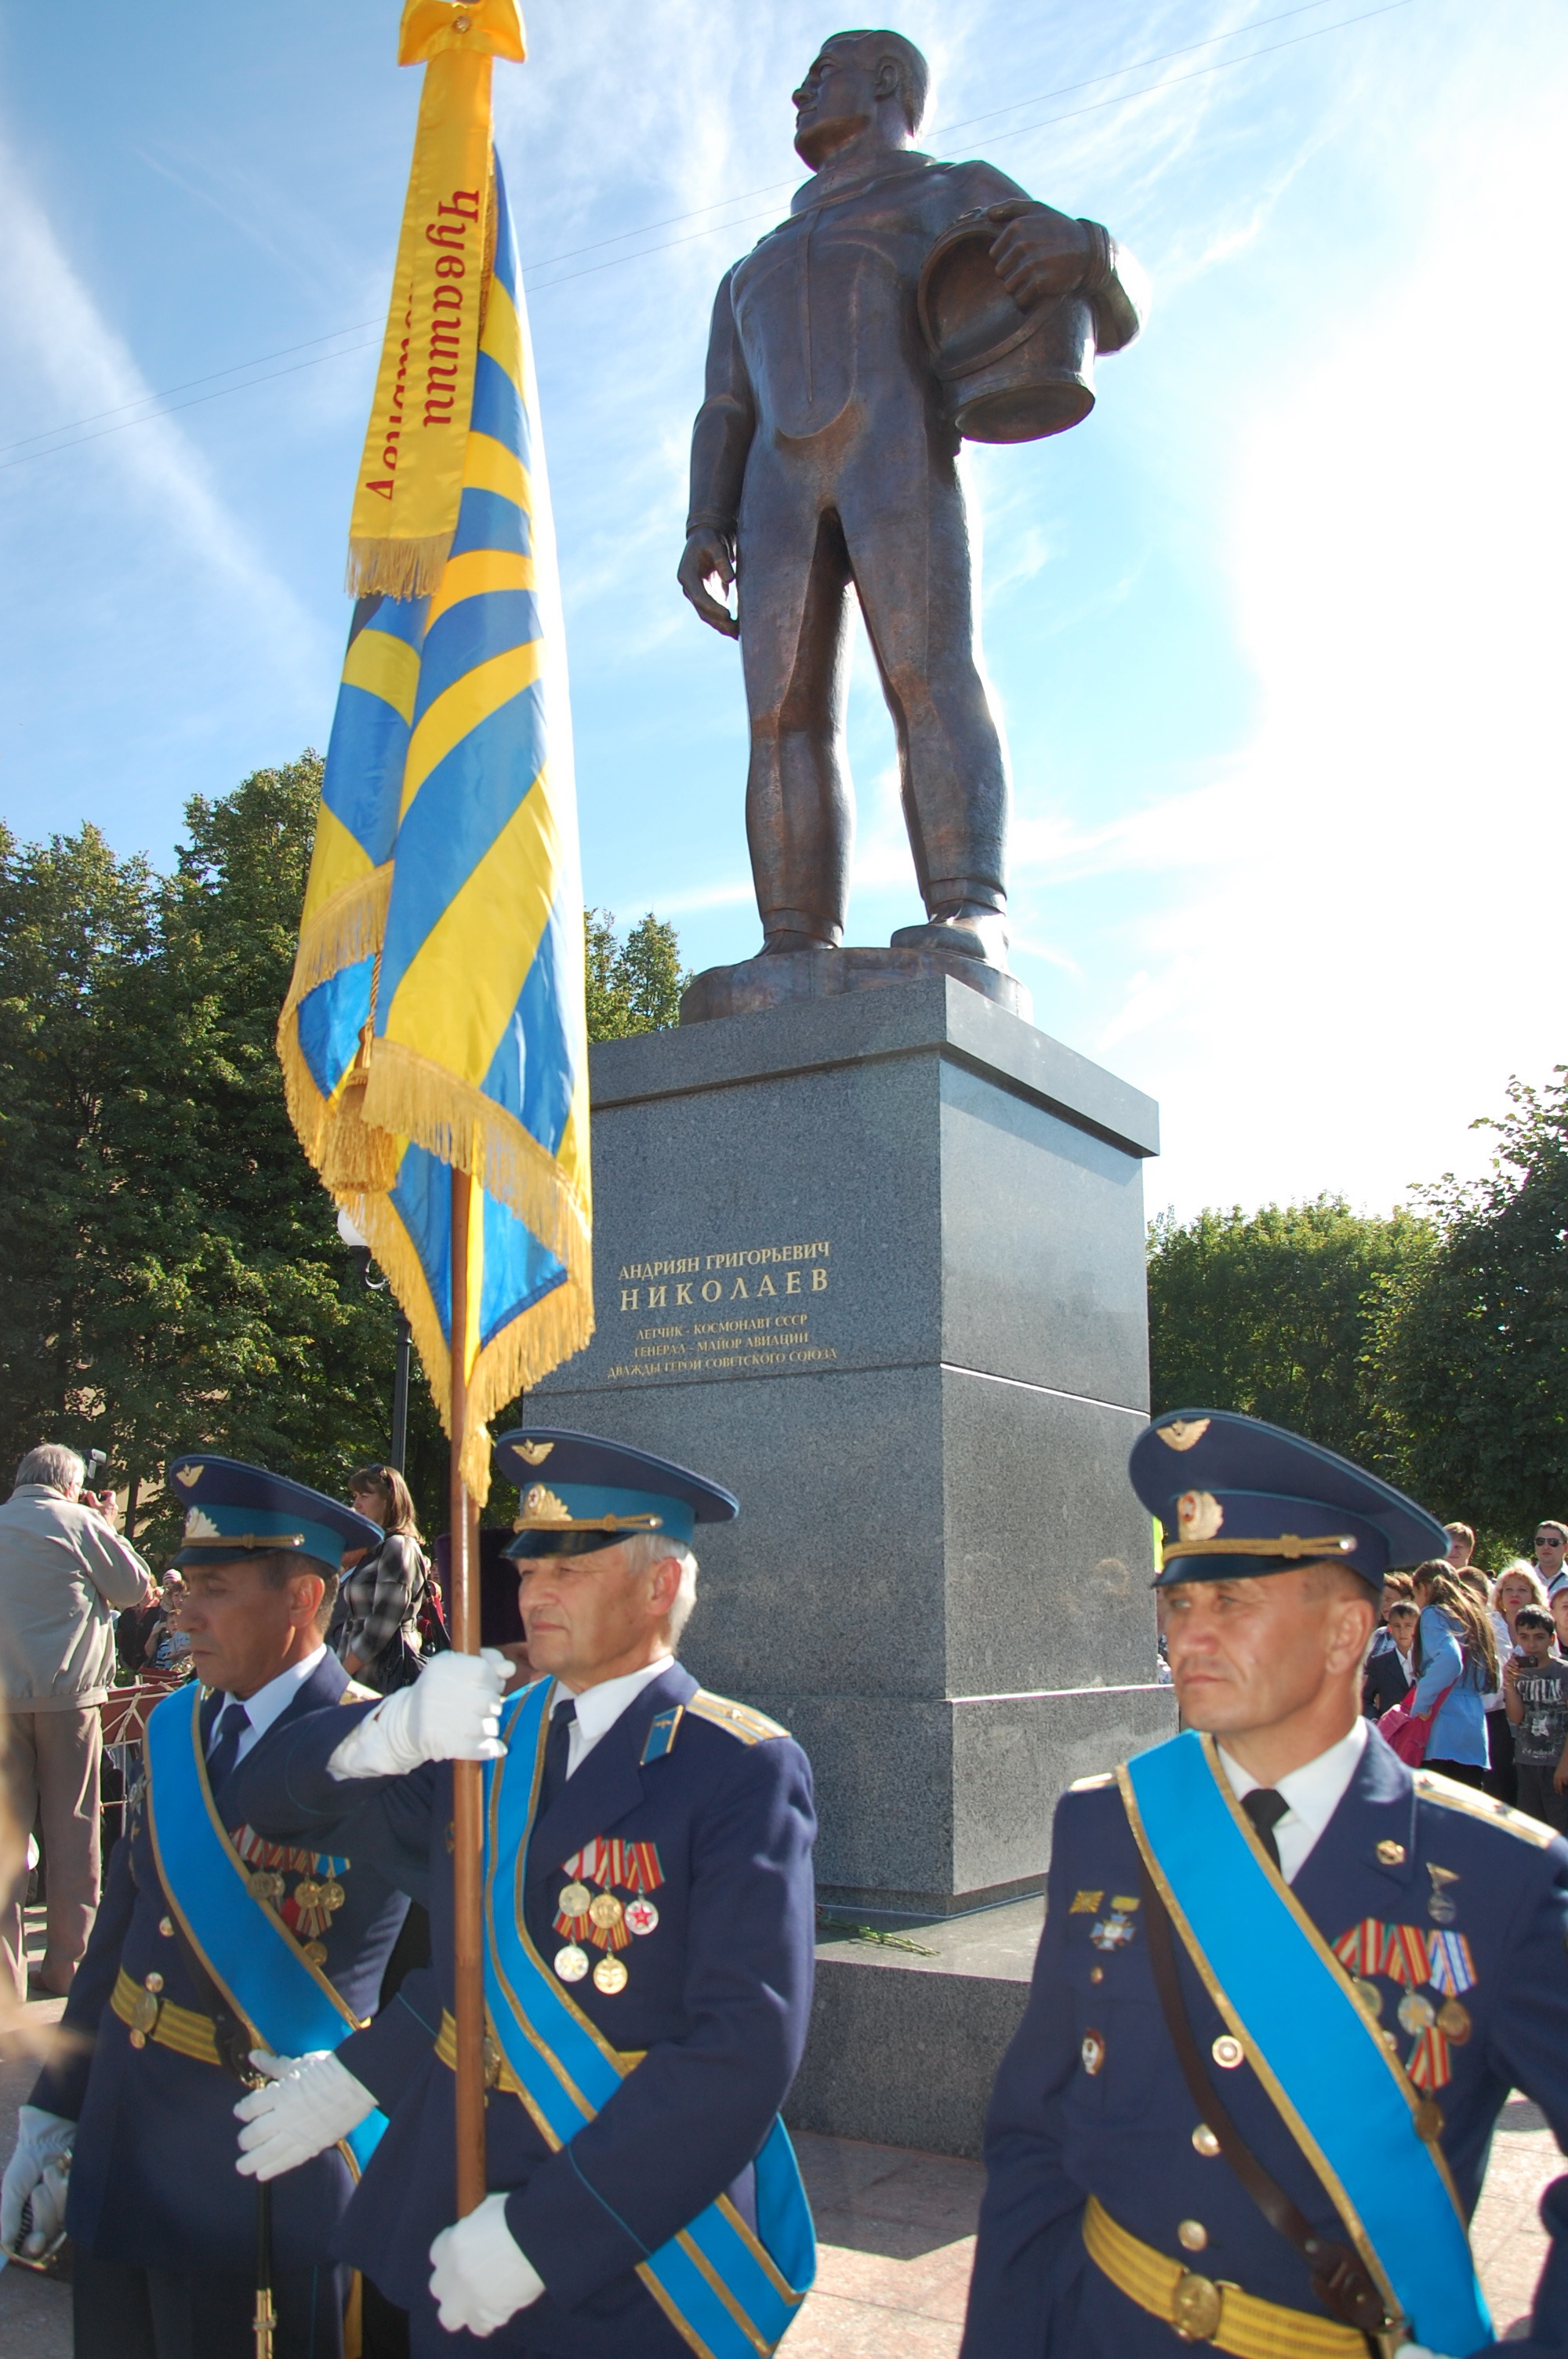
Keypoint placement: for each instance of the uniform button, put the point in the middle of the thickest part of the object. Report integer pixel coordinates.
(1391, 1854)
(166, 1926)
(1227, 2051)
(1192, 2235)
(1097, 1973)
(155, 1982)
(1092, 2052)
(1204, 2139)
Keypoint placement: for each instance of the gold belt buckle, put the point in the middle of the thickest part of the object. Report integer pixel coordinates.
(1196, 2306)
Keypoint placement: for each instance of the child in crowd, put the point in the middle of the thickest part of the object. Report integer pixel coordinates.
(1535, 1695)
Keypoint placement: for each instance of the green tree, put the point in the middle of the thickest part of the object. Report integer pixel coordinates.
(183, 1286)
(632, 985)
(1271, 1313)
(1469, 1349)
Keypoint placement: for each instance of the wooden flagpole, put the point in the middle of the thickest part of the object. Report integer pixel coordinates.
(468, 1790)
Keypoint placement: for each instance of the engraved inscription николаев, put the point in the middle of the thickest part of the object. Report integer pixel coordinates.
(749, 1296)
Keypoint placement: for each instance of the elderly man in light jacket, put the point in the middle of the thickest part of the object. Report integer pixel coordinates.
(64, 1573)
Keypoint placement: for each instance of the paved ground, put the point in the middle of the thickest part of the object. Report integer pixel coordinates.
(896, 2230)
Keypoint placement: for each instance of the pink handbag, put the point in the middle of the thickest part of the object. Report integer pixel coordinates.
(1410, 1733)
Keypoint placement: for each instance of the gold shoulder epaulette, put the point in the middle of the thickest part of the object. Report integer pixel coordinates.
(1087, 1785)
(354, 1693)
(1434, 1788)
(751, 1727)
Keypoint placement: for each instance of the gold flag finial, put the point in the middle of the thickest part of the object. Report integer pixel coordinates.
(491, 28)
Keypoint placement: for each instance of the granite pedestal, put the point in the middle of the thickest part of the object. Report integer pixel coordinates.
(876, 1261)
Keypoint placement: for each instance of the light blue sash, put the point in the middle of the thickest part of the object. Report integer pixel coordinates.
(729, 2292)
(1286, 1997)
(289, 2006)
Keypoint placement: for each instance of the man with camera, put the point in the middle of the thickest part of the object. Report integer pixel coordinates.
(65, 1572)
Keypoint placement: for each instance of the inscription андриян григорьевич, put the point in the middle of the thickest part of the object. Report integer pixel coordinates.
(750, 1308)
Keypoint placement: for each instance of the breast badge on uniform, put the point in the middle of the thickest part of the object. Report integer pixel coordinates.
(1116, 1928)
(1411, 1956)
(603, 1917)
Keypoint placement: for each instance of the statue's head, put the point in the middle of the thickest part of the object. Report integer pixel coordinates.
(858, 80)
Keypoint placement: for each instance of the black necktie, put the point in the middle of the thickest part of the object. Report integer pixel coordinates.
(232, 1723)
(558, 1752)
(1265, 1807)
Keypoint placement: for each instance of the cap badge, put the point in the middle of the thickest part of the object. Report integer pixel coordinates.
(1182, 1432)
(1199, 1515)
(536, 1452)
(542, 1506)
(201, 1526)
(188, 1475)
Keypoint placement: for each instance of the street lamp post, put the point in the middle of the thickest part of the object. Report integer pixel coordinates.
(360, 1253)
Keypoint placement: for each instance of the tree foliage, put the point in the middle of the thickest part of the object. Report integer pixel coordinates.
(632, 985)
(1470, 1353)
(1272, 1312)
(172, 1276)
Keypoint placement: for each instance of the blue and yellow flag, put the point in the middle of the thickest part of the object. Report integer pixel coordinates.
(436, 1018)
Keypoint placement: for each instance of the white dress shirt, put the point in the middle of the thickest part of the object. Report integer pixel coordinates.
(599, 1708)
(268, 1704)
(1314, 1792)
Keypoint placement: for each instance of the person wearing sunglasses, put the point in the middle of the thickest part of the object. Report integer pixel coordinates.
(1551, 1554)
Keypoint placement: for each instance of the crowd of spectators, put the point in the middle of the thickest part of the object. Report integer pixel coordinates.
(1481, 1663)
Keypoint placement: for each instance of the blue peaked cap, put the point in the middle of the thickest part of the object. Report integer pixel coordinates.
(234, 1510)
(1218, 1481)
(579, 1493)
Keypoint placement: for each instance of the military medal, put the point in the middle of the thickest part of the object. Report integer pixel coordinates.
(1370, 1996)
(606, 1912)
(316, 1952)
(574, 1900)
(1417, 2013)
(306, 1893)
(610, 1976)
(267, 1883)
(571, 1964)
(1454, 2022)
(1092, 2052)
(1441, 1906)
(641, 1917)
(1452, 1969)
(332, 1895)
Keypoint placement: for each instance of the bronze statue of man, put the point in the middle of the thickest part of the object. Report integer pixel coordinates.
(824, 455)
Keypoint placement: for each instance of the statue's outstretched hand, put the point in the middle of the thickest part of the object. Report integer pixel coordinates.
(710, 556)
(1040, 252)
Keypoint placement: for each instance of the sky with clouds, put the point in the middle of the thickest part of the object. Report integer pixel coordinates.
(1277, 633)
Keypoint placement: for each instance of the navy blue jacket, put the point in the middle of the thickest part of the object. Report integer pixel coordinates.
(718, 1994)
(1056, 2134)
(153, 2183)
(1384, 1681)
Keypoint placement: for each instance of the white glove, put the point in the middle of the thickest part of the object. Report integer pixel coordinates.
(453, 1712)
(479, 2278)
(39, 2171)
(309, 2104)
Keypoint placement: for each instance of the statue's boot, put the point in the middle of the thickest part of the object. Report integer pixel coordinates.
(788, 939)
(967, 926)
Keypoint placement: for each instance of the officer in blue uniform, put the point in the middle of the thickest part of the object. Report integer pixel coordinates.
(1286, 1983)
(138, 2106)
(667, 1920)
